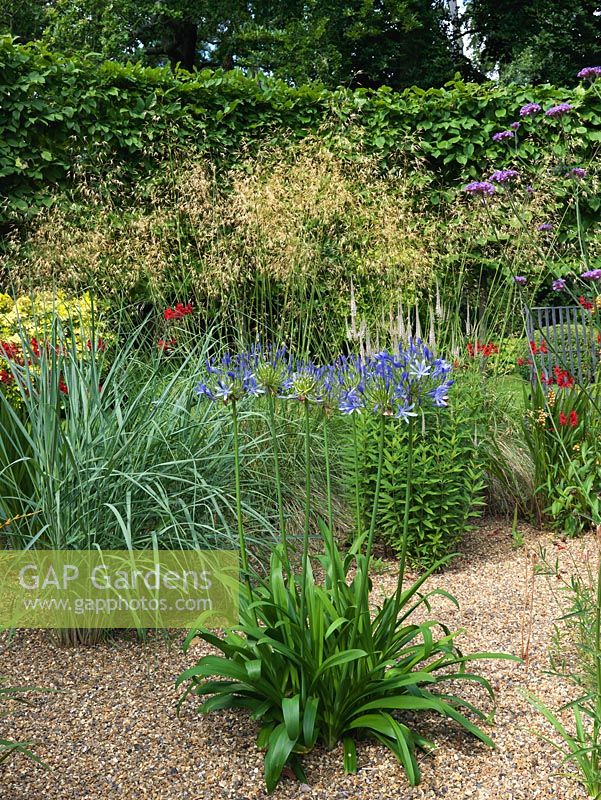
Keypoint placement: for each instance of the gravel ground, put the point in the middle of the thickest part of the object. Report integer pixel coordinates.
(111, 730)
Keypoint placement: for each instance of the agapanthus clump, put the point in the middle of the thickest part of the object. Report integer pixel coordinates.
(399, 383)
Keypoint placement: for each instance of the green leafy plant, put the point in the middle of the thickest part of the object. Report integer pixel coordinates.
(308, 659)
(446, 487)
(580, 624)
(561, 431)
(8, 747)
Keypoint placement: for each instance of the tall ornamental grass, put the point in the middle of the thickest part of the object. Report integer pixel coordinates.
(106, 448)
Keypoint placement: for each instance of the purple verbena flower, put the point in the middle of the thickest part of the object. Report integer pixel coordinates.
(590, 73)
(576, 172)
(558, 285)
(592, 275)
(504, 175)
(529, 109)
(498, 137)
(515, 126)
(480, 187)
(559, 110)
(545, 226)
(520, 280)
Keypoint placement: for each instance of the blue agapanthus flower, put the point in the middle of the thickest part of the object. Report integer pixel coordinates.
(397, 383)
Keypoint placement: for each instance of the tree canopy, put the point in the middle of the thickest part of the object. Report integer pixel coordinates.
(356, 43)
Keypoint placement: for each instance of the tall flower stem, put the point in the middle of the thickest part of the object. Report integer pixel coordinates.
(362, 605)
(241, 539)
(330, 543)
(597, 715)
(408, 487)
(358, 525)
(278, 477)
(305, 561)
(326, 444)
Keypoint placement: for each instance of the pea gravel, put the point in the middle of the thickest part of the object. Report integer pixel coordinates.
(111, 730)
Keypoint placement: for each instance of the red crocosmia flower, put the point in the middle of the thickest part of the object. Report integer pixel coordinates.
(563, 377)
(573, 419)
(521, 362)
(535, 348)
(178, 311)
(6, 377)
(10, 350)
(470, 349)
(563, 420)
(35, 347)
(62, 386)
(166, 344)
(100, 345)
(585, 303)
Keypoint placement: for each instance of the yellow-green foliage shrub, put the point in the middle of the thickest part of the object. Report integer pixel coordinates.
(30, 323)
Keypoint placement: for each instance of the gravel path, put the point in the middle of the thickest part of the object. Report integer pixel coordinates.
(111, 731)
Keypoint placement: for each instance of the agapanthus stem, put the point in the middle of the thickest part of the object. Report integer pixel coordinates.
(241, 539)
(305, 562)
(326, 445)
(278, 478)
(362, 607)
(358, 525)
(408, 487)
(374, 510)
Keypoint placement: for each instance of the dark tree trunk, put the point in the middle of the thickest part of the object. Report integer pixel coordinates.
(182, 50)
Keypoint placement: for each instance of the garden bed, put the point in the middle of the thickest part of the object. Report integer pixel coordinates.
(111, 729)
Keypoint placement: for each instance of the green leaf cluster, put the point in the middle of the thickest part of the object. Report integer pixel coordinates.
(309, 677)
(446, 488)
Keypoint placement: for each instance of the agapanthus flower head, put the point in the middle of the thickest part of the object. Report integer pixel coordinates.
(545, 227)
(231, 378)
(440, 394)
(558, 285)
(504, 175)
(482, 188)
(559, 110)
(590, 73)
(591, 275)
(529, 109)
(521, 280)
(351, 401)
(576, 172)
(502, 135)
